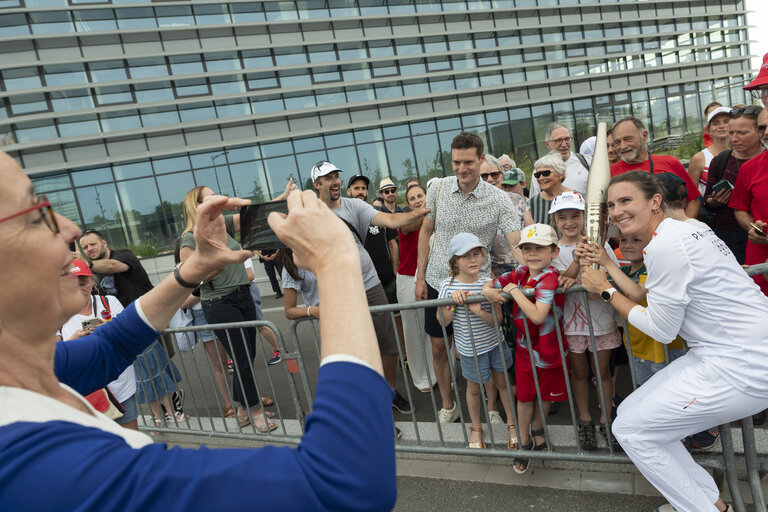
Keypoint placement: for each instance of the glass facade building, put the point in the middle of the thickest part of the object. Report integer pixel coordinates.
(116, 108)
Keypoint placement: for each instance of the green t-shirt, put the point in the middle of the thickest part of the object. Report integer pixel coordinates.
(230, 277)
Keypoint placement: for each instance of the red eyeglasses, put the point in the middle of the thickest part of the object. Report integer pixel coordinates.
(46, 212)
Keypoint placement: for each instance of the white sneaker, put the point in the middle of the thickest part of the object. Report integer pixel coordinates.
(666, 508)
(449, 415)
(495, 418)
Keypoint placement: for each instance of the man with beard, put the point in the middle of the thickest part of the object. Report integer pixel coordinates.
(359, 215)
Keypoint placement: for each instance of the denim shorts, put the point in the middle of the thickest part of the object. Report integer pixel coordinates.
(490, 361)
(199, 319)
(131, 412)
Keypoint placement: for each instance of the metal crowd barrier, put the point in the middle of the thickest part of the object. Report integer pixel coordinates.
(291, 384)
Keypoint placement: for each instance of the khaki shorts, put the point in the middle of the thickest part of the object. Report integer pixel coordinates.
(382, 322)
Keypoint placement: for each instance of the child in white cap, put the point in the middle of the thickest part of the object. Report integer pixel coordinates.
(478, 339)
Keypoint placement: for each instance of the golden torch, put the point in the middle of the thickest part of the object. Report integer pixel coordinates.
(596, 214)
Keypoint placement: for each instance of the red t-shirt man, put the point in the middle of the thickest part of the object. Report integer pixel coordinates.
(656, 164)
(750, 194)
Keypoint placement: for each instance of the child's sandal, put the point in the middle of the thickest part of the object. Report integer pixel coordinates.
(479, 445)
(519, 461)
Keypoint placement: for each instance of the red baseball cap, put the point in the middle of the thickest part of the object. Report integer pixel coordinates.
(80, 268)
(762, 76)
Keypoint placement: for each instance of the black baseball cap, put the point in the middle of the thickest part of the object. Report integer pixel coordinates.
(672, 183)
(356, 177)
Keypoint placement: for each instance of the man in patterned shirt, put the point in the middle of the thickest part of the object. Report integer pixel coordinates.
(459, 203)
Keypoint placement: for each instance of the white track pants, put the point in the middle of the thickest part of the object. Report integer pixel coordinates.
(417, 343)
(686, 397)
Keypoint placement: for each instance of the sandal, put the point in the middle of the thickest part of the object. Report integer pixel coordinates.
(267, 401)
(587, 439)
(519, 461)
(179, 416)
(229, 412)
(245, 420)
(539, 433)
(512, 443)
(158, 424)
(480, 444)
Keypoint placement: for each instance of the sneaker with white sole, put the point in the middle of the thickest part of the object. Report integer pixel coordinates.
(495, 418)
(449, 415)
(275, 358)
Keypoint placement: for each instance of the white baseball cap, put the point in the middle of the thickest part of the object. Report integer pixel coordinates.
(717, 112)
(539, 234)
(322, 168)
(570, 200)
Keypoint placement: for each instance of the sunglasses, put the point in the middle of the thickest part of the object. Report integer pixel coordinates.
(745, 111)
(46, 212)
(495, 175)
(539, 174)
(389, 191)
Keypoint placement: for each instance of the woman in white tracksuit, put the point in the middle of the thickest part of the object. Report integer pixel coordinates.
(698, 290)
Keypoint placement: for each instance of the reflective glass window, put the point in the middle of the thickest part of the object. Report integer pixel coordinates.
(295, 78)
(354, 72)
(91, 176)
(174, 16)
(533, 54)
(359, 94)
(113, 94)
(299, 100)
(242, 154)
(257, 59)
(368, 135)
(276, 149)
(267, 104)
(339, 139)
(326, 74)
(464, 61)
(107, 71)
(330, 97)
(281, 11)
(373, 160)
(490, 79)
(135, 17)
(308, 144)
(373, 7)
(487, 59)
(261, 80)
(186, 64)
(158, 91)
(427, 156)
(389, 91)
(279, 171)
(71, 100)
(514, 76)
(249, 181)
(409, 46)
(435, 44)
(165, 165)
(247, 12)
(536, 73)
(530, 36)
(444, 84)
(216, 178)
(122, 120)
(381, 48)
(205, 159)
(14, 25)
(148, 67)
(309, 9)
(134, 170)
(402, 162)
(290, 56)
(322, 53)
(173, 188)
(101, 210)
(351, 51)
(384, 69)
(345, 158)
(428, 6)
(222, 61)
(50, 22)
(79, 125)
(469, 82)
(575, 50)
(417, 88)
(227, 84)
(200, 112)
(94, 19)
(192, 87)
(21, 78)
(51, 183)
(144, 221)
(438, 64)
(416, 68)
(211, 14)
(159, 116)
(37, 131)
(69, 74)
(515, 57)
(401, 6)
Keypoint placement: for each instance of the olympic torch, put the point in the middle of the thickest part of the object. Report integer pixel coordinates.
(597, 190)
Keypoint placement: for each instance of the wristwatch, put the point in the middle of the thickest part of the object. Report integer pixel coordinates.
(607, 294)
(182, 282)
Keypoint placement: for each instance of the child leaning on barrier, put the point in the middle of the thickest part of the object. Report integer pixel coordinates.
(567, 212)
(535, 321)
(476, 332)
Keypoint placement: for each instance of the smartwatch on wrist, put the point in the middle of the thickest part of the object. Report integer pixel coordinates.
(182, 282)
(606, 295)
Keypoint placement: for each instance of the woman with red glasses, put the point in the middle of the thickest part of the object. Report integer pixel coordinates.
(58, 453)
(549, 172)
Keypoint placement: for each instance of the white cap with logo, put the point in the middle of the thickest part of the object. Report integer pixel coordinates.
(323, 168)
(539, 234)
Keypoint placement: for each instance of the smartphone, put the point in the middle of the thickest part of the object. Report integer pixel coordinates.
(91, 324)
(255, 233)
(757, 228)
(721, 185)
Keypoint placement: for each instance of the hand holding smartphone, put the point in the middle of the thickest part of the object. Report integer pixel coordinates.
(757, 229)
(255, 233)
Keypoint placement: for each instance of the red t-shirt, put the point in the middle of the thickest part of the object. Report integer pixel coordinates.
(707, 138)
(750, 194)
(546, 351)
(409, 250)
(661, 163)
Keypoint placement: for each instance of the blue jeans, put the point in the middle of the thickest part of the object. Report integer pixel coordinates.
(240, 344)
(645, 369)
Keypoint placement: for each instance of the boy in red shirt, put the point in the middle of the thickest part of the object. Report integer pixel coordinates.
(538, 243)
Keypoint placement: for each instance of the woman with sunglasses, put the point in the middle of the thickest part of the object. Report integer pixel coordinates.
(549, 172)
(58, 453)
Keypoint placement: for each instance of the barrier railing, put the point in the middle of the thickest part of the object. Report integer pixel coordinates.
(291, 383)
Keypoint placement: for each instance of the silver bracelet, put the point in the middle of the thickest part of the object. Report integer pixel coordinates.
(308, 313)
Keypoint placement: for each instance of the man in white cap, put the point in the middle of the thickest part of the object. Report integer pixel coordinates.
(359, 215)
(388, 192)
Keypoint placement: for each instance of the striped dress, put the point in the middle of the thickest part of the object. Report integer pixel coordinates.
(539, 209)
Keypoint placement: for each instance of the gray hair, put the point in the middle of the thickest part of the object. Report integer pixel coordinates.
(494, 162)
(635, 121)
(552, 127)
(507, 157)
(553, 160)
